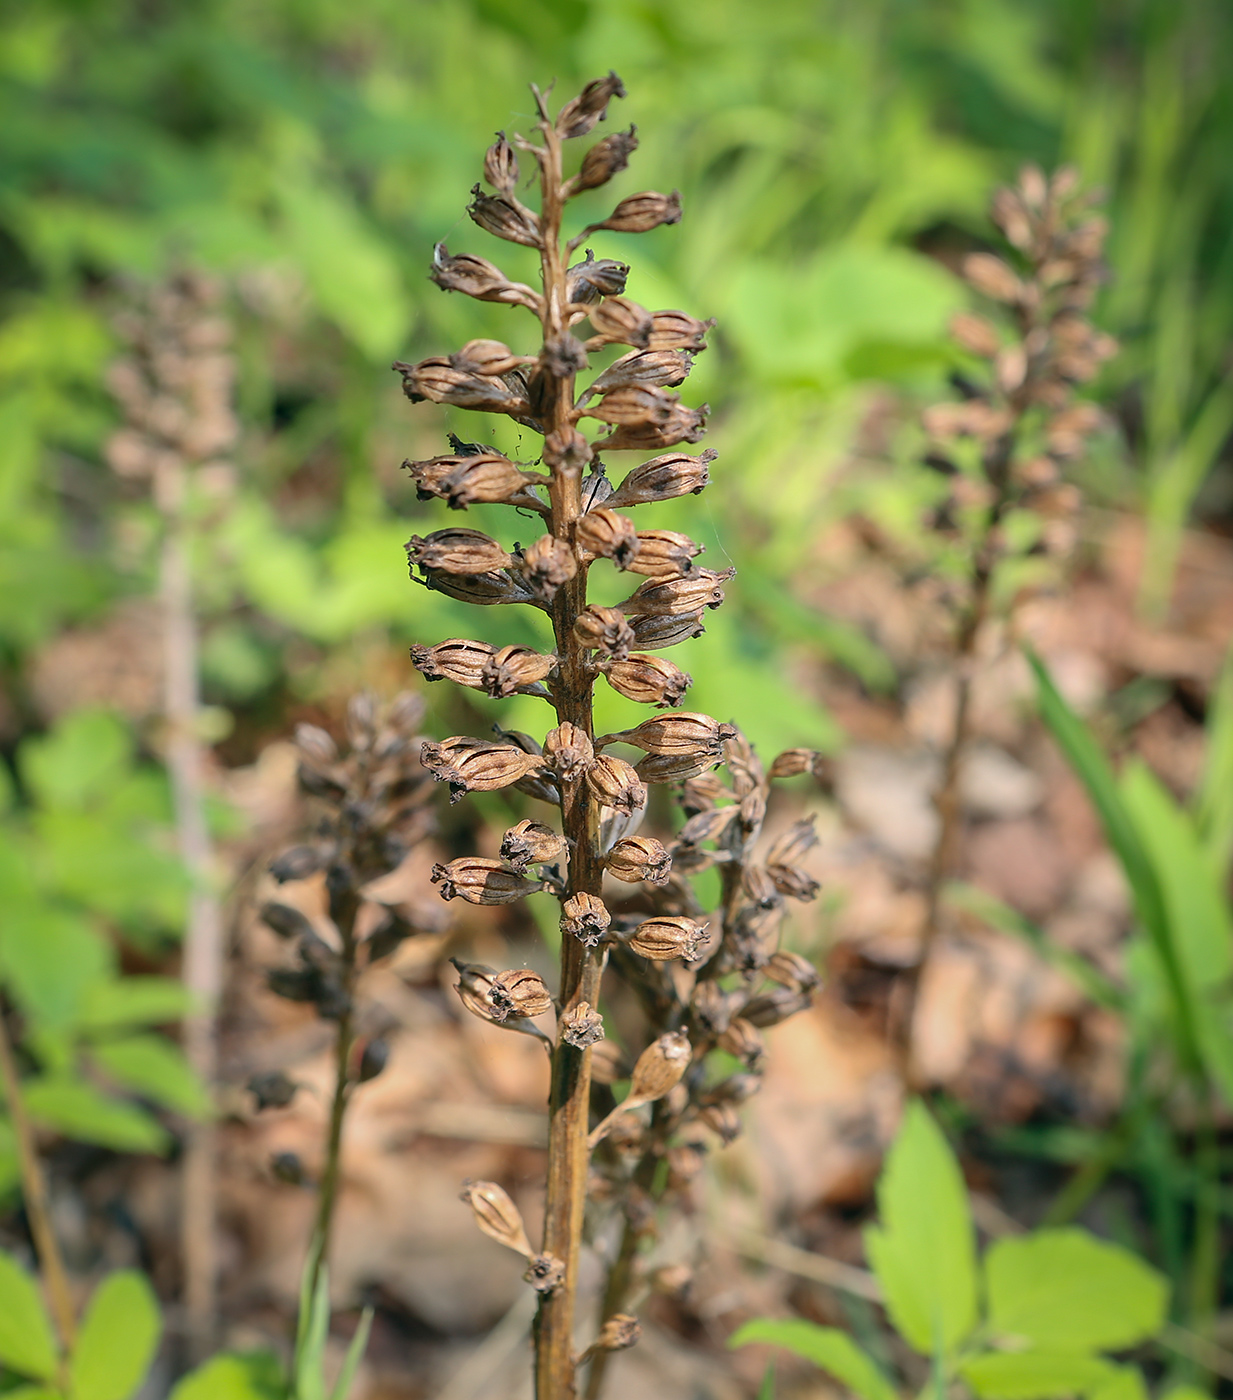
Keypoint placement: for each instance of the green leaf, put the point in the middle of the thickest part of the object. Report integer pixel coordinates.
(1214, 800)
(133, 1001)
(312, 1332)
(827, 1347)
(1035, 1375)
(1066, 1290)
(78, 761)
(247, 1376)
(766, 1391)
(27, 1343)
(355, 1354)
(118, 1338)
(33, 1392)
(50, 959)
(1127, 1384)
(78, 1110)
(157, 1069)
(924, 1250)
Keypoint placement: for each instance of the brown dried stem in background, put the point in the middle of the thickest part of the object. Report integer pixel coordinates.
(1019, 424)
(668, 948)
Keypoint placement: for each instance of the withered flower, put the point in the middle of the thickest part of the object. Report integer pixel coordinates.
(487, 357)
(650, 680)
(530, 843)
(437, 380)
(613, 783)
(619, 321)
(606, 534)
(582, 1026)
(668, 938)
(478, 278)
(584, 917)
(792, 971)
(545, 565)
(545, 1273)
(580, 114)
(588, 281)
(519, 992)
(605, 630)
(637, 858)
(504, 218)
(743, 1040)
(569, 751)
(501, 166)
(482, 881)
(619, 1331)
(514, 669)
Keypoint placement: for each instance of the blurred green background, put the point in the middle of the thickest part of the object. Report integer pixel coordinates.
(831, 158)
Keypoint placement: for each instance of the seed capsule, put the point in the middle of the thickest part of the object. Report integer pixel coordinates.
(723, 1119)
(685, 732)
(799, 838)
(640, 213)
(588, 281)
(497, 1215)
(613, 783)
(482, 590)
(373, 1061)
(650, 680)
(456, 551)
(635, 404)
(659, 1068)
(674, 767)
(545, 565)
(285, 921)
(501, 166)
(668, 938)
(976, 334)
(793, 761)
(675, 330)
(741, 1039)
(580, 114)
(569, 751)
(491, 358)
(584, 917)
(791, 970)
(681, 424)
(504, 218)
(605, 534)
(675, 596)
(530, 843)
(520, 993)
(299, 863)
(993, 277)
(272, 1090)
(620, 1331)
(545, 1273)
(639, 858)
(664, 554)
(604, 160)
(436, 380)
(648, 368)
(604, 630)
(620, 321)
(652, 633)
(478, 278)
(582, 1026)
(482, 881)
(707, 825)
(773, 1007)
(674, 474)
(457, 660)
(792, 881)
(477, 766)
(486, 478)
(515, 668)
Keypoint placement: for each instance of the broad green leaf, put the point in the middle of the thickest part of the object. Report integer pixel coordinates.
(1035, 1375)
(117, 1340)
(924, 1250)
(27, 1343)
(133, 1001)
(33, 1392)
(1186, 1392)
(157, 1069)
(355, 1354)
(50, 959)
(1127, 1384)
(78, 761)
(1200, 921)
(251, 1376)
(827, 1347)
(1066, 1290)
(78, 1110)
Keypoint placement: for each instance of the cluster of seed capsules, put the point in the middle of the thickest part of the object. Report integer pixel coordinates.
(703, 979)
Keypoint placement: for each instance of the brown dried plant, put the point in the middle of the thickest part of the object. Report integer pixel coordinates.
(699, 982)
(1005, 445)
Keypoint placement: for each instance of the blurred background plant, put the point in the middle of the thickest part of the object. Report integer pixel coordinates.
(835, 163)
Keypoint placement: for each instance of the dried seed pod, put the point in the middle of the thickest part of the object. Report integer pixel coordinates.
(478, 278)
(712, 1007)
(272, 1090)
(742, 1039)
(722, 1119)
(482, 590)
(619, 1331)
(456, 551)
(685, 1163)
(792, 844)
(664, 554)
(285, 921)
(519, 992)
(580, 114)
(792, 762)
(613, 783)
(684, 732)
(501, 166)
(479, 880)
(504, 218)
(620, 321)
(654, 633)
(497, 1215)
(650, 680)
(993, 277)
(637, 858)
(457, 660)
(648, 368)
(584, 917)
(300, 862)
(668, 938)
(640, 213)
(491, 358)
(582, 1026)
(588, 281)
(791, 970)
(475, 991)
(436, 380)
(708, 825)
(287, 1168)
(675, 330)
(759, 888)
(604, 630)
(662, 478)
(659, 1068)
(792, 881)
(487, 478)
(680, 425)
(674, 767)
(569, 751)
(373, 1061)
(477, 766)
(975, 334)
(516, 668)
(604, 160)
(771, 1008)
(605, 534)
(530, 843)
(675, 596)
(545, 1273)
(545, 565)
(635, 404)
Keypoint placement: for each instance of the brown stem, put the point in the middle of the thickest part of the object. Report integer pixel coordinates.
(570, 1094)
(202, 971)
(34, 1192)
